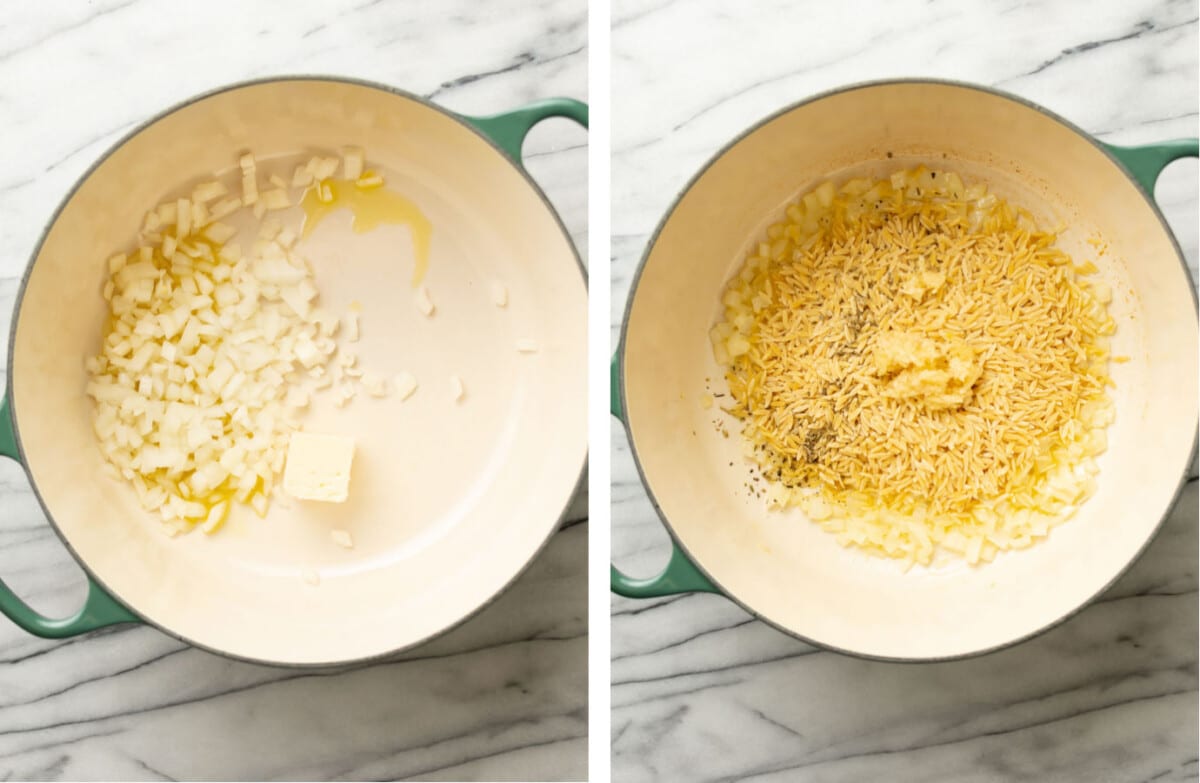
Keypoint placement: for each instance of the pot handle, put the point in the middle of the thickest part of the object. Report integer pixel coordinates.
(1145, 162)
(100, 609)
(681, 575)
(509, 129)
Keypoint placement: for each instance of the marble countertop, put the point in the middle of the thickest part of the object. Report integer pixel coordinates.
(502, 697)
(701, 691)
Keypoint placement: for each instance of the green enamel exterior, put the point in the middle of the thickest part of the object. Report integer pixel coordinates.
(614, 389)
(100, 609)
(508, 130)
(1146, 162)
(8, 438)
(681, 575)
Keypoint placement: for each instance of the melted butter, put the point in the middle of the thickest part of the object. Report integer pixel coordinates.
(371, 208)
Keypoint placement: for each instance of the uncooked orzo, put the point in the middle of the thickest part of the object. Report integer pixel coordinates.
(918, 367)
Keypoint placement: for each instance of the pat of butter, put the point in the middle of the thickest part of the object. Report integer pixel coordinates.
(318, 467)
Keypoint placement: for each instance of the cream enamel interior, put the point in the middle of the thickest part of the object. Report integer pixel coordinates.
(448, 502)
(782, 566)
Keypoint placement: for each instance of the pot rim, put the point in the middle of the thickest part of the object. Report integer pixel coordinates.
(37, 249)
(654, 236)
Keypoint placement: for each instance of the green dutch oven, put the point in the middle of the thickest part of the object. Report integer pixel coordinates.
(781, 567)
(449, 501)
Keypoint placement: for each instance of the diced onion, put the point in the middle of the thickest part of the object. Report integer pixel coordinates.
(423, 301)
(352, 163)
(406, 384)
(191, 402)
(375, 385)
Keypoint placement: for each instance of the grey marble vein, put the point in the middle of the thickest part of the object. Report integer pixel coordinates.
(703, 692)
(503, 696)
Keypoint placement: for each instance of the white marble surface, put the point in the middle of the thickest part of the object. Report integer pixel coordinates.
(503, 697)
(703, 692)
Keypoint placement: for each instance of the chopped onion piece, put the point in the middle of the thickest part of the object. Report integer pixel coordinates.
(343, 395)
(219, 232)
(183, 218)
(406, 384)
(200, 216)
(207, 191)
(326, 321)
(216, 517)
(375, 386)
(249, 180)
(368, 181)
(276, 199)
(423, 302)
(225, 207)
(323, 168)
(352, 163)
